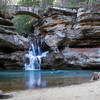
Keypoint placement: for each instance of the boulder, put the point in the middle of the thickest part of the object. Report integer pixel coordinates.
(52, 40)
(96, 76)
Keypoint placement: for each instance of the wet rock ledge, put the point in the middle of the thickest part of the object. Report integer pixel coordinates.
(12, 45)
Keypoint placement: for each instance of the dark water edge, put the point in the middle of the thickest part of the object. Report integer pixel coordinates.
(17, 80)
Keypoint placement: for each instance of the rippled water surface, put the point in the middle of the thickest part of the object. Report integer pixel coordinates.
(22, 80)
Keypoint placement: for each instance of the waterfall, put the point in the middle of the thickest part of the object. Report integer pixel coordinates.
(35, 55)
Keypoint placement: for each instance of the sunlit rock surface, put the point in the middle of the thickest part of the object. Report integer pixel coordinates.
(73, 36)
(12, 46)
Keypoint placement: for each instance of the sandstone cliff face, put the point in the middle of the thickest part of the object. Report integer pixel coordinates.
(12, 46)
(73, 36)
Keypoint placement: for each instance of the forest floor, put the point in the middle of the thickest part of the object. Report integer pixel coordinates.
(86, 91)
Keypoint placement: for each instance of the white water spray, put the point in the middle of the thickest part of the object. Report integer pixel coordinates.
(34, 55)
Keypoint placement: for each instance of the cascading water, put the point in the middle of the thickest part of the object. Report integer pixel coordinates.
(35, 55)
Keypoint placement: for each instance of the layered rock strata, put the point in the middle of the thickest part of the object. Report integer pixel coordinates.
(12, 46)
(73, 36)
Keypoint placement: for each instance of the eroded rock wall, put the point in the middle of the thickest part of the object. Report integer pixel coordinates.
(12, 45)
(73, 36)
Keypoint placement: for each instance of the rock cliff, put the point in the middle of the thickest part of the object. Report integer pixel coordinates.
(72, 37)
(12, 45)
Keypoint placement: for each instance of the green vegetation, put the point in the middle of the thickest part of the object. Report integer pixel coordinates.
(29, 2)
(76, 2)
(23, 24)
(41, 3)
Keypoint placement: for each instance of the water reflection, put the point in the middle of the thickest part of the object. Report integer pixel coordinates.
(22, 80)
(33, 79)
